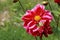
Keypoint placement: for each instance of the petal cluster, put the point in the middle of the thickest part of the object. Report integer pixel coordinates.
(37, 21)
(57, 1)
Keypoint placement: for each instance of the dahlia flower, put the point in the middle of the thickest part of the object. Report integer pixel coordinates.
(57, 1)
(37, 21)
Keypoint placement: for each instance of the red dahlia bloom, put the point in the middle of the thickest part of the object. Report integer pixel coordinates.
(37, 21)
(57, 1)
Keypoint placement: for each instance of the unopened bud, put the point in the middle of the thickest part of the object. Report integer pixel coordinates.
(14, 1)
(45, 3)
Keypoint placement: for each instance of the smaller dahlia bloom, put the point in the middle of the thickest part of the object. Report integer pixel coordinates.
(37, 21)
(57, 1)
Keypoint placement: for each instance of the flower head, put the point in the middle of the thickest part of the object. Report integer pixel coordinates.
(57, 1)
(37, 21)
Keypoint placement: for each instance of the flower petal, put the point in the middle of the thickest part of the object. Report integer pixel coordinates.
(47, 17)
(35, 29)
(25, 24)
(32, 26)
(28, 16)
(29, 23)
(38, 9)
(46, 33)
(41, 29)
(38, 6)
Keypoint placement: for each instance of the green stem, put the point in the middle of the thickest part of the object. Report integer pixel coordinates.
(58, 26)
(49, 5)
(35, 38)
(40, 38)
(22, 6)
(57, 21)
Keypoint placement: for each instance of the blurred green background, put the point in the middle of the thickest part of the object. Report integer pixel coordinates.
(11, 24)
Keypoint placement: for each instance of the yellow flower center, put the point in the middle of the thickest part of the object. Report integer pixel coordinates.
(40, 24)
(37, 18)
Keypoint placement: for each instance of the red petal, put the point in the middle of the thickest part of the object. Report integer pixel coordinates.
(41, 34)
(46, 33)
(49, 30)
(47, 15)
(28, 16)
(38, 9)
(57, 1)
(41, 29)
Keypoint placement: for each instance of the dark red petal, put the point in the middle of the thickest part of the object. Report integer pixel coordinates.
(47, 23)
(33, 33)
(57, 1)
(47, 15)
(30, 30)
(41, 34)
(32, 23)
(25, 24)
(45, 33)
(41, 29)
(27, 30)
(49, 30)
(38, 9)
(28, 16)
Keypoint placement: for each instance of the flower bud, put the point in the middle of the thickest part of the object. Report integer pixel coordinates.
(14, 1)
(45, 3)
(57, 1)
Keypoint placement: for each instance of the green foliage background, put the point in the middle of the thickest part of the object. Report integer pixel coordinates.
(13, 29)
